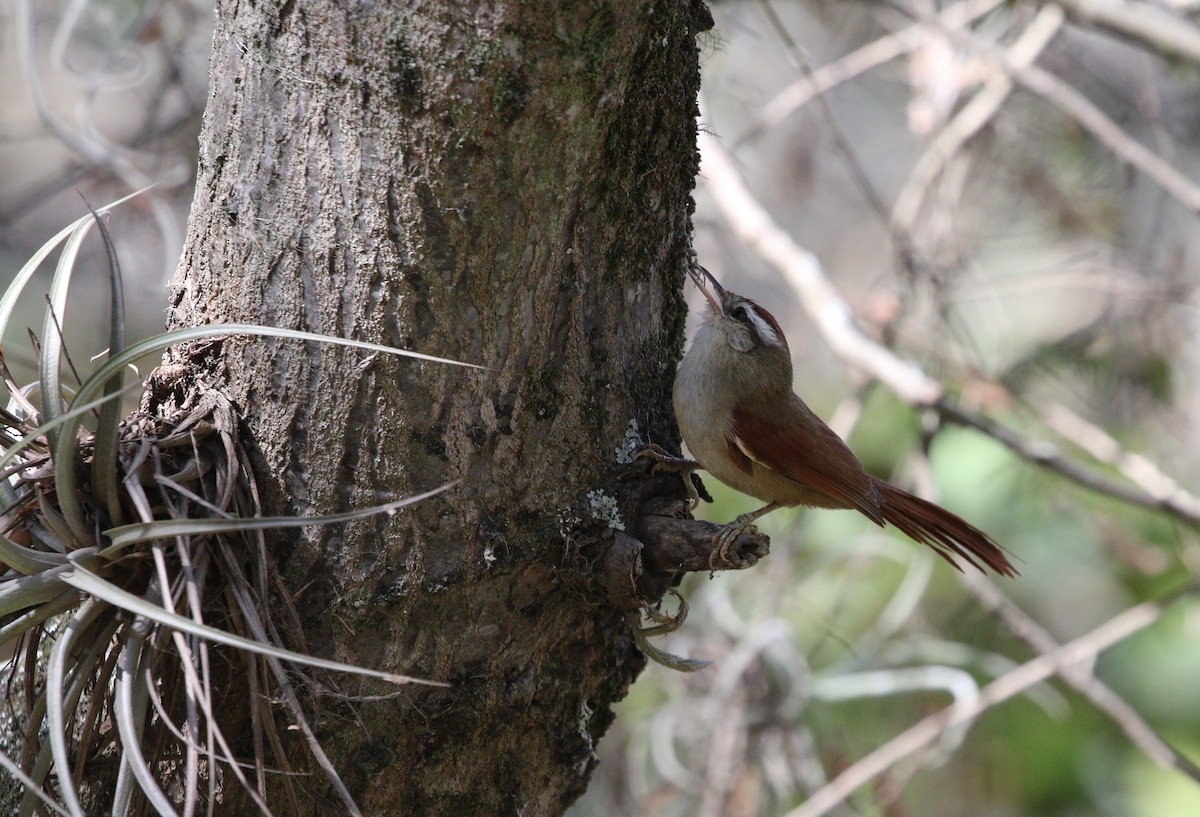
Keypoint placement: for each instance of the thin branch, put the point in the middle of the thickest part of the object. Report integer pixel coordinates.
(801, 269)
(1180, 504)
(973, 116)
(1100, 694)
(926, 731)
(872, 55)
(1133, 466)
(1077, 106)
(1168, 33)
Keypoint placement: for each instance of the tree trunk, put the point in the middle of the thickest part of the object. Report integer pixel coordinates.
(507, 185)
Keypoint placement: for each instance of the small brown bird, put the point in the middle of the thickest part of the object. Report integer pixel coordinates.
(744, 425)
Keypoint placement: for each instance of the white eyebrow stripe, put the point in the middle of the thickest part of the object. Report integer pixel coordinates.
(765, 331)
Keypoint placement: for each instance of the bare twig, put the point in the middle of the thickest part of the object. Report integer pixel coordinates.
(1167, 33)
(1179, 504)
(1133, 466)
(872, 55)
(973, 116)
(926, 731)
(1101, 696)
(755, 227)
(1077, 106)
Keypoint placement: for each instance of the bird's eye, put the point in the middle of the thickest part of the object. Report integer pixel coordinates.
(739, 312)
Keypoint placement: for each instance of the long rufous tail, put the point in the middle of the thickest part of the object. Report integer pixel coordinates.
(947, 534)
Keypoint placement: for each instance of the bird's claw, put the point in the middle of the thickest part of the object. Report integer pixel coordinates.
(724, 554)
(663, 460)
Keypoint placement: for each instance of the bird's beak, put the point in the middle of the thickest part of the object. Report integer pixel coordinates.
(699, 274)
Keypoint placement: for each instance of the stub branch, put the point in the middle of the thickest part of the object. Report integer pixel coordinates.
(664, 542)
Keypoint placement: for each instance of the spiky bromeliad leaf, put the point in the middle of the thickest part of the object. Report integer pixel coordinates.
(127, 535)
(8, 301)
(71, 572)
(53, 402)
(64, 446)
(105, 476)
(96, 586)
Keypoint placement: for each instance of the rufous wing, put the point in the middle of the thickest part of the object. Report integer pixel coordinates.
(796, 443)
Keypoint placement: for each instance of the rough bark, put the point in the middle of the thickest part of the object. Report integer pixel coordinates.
(507, 185)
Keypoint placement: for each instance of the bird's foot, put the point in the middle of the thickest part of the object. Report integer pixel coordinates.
(724, 553)
(665, 461)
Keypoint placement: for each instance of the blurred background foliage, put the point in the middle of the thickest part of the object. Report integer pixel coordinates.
(1050, 287)
(1043, 279)
(102, 98)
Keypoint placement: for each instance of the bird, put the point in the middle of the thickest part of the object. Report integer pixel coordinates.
(743, 424)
